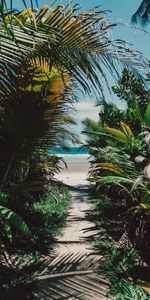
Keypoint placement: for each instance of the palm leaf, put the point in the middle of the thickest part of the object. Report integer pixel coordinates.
(138, 181)
(121, 136)
(112, 180)
(91, 125)
(126, 129)
(144, 205)
(34, 123)
(142, 14)
(69, 275)
(147, 115)
(78, 43)
(14, 219)
(108, 167)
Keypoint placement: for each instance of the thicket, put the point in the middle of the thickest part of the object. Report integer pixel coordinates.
(119, 145)
(45, 53)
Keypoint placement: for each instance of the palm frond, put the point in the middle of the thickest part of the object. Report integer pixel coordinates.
(53, 165)
(147, 115)
(77, 43)
(142, 14)
(118, 134)
(114, 156)
(106, 167)
(106, 180)
(31, 122)
(91, 125)
(69, 275)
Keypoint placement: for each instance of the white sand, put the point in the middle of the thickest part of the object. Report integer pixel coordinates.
(75, 174)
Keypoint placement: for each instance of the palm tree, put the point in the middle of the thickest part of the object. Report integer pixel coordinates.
(32, 122)
(78, 43)
(77, 46)
(142, 14)
(120, 165)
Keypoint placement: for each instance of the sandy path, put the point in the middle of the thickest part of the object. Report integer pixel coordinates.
(76, 233)
(70, 271)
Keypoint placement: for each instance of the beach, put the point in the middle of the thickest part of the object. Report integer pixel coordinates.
(77, 170)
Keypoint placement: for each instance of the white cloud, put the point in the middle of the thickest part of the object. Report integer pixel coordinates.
(85, 109)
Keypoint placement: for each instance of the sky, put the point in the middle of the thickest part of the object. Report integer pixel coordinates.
(121, 11)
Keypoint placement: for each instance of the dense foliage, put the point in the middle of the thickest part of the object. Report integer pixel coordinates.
(44, 55)
(119, 148)
(44, 52)
(46, 217)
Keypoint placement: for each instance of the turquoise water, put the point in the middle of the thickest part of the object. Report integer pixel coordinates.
(71, 150)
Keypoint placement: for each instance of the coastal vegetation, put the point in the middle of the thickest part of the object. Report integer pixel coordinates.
(47, 54)
(119, 148)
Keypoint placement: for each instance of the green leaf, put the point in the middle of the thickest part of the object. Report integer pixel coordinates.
(14, 219)
(120, 135)
(7, 231)
(113, 180)
(147, 115)
(72, 41)
(108, 167)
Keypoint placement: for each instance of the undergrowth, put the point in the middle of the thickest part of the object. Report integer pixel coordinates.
(52, 209)
(48, 215)
(118, 261)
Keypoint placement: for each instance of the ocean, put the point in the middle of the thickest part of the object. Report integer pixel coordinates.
(72, 154)
(70, 150)
(78, 165)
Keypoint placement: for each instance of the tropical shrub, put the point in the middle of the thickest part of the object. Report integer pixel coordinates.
(136, 94)
(44, 54)
(120, 170)
(117, 173)
(35, 98)
(9, 218)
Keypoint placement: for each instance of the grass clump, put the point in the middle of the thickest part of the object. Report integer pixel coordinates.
(52, 211)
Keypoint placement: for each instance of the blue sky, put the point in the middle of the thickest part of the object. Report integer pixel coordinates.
(122, 11)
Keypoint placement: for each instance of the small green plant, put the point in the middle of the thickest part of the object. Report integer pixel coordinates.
(52, 209)
(116, 265)
(130, 292)
(9, 219)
